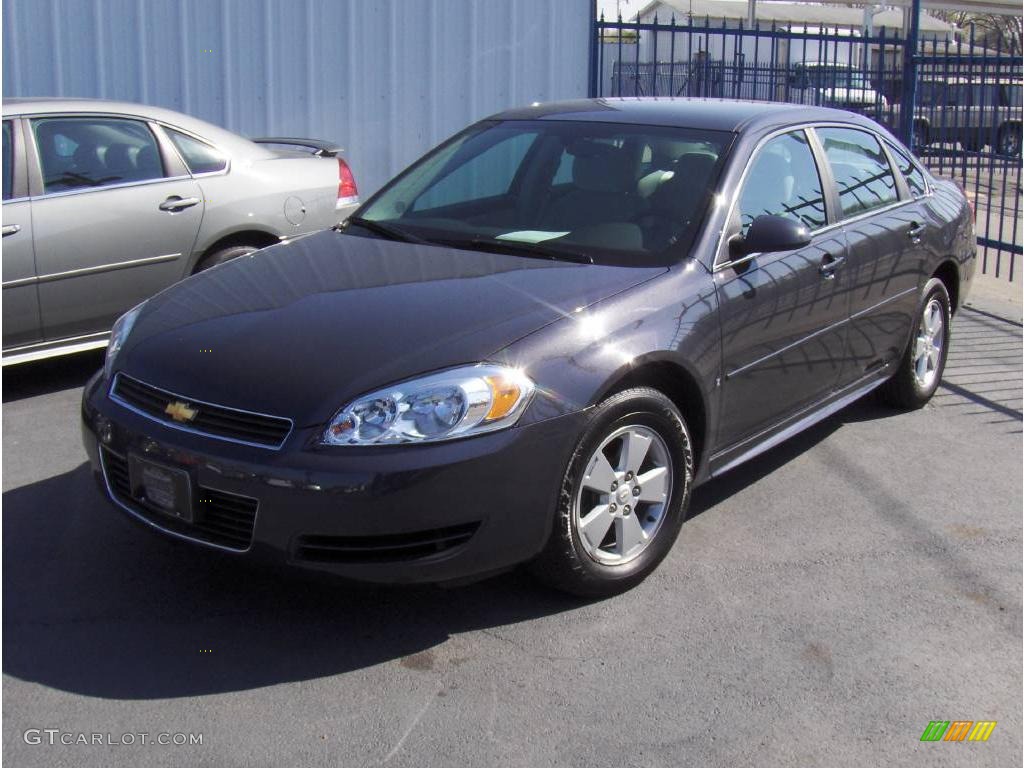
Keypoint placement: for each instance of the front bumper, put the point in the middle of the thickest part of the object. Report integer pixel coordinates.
(428, 513)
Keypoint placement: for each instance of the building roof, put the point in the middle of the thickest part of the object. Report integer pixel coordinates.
(788, 14)
(699, 113)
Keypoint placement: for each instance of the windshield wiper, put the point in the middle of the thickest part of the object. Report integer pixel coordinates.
(530, 250)
(379, 228)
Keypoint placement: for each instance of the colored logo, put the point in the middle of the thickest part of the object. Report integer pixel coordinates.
(180, 411)
(958, 730)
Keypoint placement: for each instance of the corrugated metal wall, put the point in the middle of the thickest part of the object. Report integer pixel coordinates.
(386, 78)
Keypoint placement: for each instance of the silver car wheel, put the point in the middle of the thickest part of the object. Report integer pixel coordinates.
(928, 345)
(621, 502)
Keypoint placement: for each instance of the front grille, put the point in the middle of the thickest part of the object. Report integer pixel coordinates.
(214, 420)
(221, 518)
(383, 549)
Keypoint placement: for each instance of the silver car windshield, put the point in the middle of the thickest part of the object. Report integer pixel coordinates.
(596, 188)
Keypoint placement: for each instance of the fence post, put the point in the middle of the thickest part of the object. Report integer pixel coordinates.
(909, 95)
(595, 41)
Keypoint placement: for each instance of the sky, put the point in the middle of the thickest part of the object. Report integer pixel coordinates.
(627, 8)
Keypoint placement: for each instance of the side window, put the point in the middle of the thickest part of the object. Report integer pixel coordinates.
(199, 156)
(8, 161)
(486, 175)
(860, 168)
(83, 152)
(783, 180)
(910, 170)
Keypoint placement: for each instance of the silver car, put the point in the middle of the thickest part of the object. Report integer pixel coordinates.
(106, 203)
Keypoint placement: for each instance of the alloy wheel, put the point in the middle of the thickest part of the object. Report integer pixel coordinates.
(622, 498)
(928, 345)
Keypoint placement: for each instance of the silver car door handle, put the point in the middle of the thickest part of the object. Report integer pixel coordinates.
(11, 229)
(178, 203)
(915, 231)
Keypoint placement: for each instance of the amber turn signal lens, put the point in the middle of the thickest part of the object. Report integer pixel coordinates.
(505, 395)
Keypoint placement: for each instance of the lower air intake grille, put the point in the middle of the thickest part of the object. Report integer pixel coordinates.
(383, 549)
(221, 518)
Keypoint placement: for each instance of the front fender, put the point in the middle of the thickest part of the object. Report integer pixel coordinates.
(579, 359)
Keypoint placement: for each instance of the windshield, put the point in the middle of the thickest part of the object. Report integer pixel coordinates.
(600, 191)
(838, 78)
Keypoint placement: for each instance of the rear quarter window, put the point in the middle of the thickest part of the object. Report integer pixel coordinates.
(199, 156)
(910, 170)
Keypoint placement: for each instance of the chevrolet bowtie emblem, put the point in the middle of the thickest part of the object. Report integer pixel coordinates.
(180, 411)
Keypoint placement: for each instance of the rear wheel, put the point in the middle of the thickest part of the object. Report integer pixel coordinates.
(224, 254)
(623, 498)
(920, 370)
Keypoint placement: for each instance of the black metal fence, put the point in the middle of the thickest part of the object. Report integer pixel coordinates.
(966, 101)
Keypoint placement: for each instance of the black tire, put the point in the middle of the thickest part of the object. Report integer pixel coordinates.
(905, 389)
(1008, 140)
(222, 255)
(922, 137)
(565, 562)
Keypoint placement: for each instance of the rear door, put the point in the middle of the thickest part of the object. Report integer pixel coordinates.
(21, 301)
(884, 228)
(114, 219)
(783, 315)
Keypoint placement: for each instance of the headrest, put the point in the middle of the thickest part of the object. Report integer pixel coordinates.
(119, 157)
(599, 167)
(773, 166)
(87, 156)
(148, 162)
(695, 166)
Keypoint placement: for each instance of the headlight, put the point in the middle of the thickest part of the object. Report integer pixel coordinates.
(118, 336)
(456, 403)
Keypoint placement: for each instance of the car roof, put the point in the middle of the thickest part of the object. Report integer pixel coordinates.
(224, 139)
(700, 113)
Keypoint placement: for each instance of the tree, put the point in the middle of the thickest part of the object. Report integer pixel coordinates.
(990, 30)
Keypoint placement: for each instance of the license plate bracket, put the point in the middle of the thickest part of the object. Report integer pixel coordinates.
(163, 489)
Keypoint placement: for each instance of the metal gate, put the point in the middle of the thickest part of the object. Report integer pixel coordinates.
(964, 100)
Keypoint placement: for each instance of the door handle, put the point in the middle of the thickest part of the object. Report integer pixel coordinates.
(829, 265)
(176, 203)
(11, 229)
(914, 232)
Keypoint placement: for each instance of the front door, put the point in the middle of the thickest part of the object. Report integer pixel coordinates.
(21, 301)
(783, 315)
(111, 229)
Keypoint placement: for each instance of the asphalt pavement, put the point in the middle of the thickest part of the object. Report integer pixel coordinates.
(823, 604)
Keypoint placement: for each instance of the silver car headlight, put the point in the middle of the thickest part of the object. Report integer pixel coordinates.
(442, 406)
(118, 336)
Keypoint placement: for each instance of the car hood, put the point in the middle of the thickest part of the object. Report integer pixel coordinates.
(297, 330)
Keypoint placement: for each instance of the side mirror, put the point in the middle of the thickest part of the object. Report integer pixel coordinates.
(769, 234)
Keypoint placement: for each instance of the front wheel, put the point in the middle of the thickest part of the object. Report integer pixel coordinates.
(623, 498)
(920, 370)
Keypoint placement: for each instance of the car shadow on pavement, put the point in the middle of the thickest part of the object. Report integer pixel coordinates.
(46, 376)
(98, 607)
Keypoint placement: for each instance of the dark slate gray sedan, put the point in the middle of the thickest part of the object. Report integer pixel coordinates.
(533, 343)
